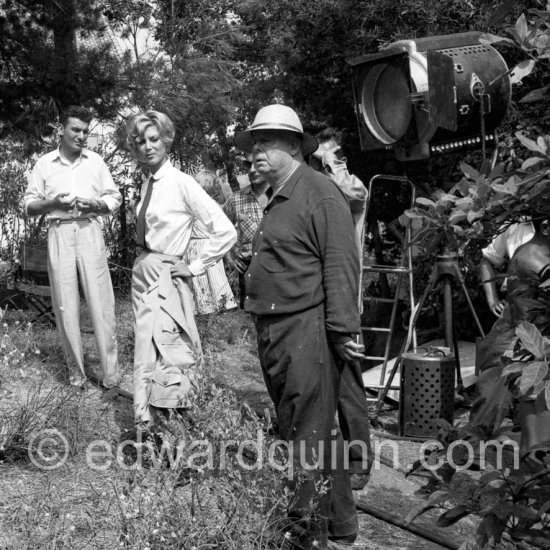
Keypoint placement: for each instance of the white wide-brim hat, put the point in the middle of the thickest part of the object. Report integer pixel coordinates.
(275, 117)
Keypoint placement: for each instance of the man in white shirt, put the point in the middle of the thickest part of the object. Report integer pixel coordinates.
(497, 255)
(71, 186)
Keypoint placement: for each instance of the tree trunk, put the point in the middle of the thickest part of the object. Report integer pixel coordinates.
(65, 70)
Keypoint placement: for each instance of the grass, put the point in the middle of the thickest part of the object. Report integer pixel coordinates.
(95, 498)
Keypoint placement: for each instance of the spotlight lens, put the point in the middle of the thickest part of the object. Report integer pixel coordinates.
(387, 108)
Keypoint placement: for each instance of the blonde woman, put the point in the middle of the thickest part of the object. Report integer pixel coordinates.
(167, 340)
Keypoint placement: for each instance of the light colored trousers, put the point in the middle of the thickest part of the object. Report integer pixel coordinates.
(163, 312)
(76, 249)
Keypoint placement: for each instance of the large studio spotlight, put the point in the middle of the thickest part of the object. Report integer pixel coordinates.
(430, 95)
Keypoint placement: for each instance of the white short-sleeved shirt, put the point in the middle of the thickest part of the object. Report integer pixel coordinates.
(88, 178)
(502, 247)
(177, 200)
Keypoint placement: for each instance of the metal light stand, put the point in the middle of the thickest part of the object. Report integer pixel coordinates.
(445, 270)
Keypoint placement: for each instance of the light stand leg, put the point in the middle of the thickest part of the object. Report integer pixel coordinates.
(469, 301)
(448, 310)
(412, 326)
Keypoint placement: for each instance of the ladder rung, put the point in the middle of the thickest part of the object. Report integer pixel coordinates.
(374, 358)
(376, 329)
(385, 269)
(380, 387)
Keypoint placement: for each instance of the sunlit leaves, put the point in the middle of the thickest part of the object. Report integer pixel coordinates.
(520, 71)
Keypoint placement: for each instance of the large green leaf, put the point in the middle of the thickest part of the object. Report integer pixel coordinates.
(489, 39)
(452, 516)
(532, 339)
(469, 171)
(507, 188)
(415, 512)
(521, 29)
(513, 368)
(521, 70)
(489, 477)
(535, 95)
(530, 162)
(425, 202)
(532, 377)
(530, 144)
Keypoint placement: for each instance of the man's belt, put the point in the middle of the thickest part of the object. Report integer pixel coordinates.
(59, 221)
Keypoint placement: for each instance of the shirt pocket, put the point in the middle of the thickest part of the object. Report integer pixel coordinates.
(170, 388)
(276, 258)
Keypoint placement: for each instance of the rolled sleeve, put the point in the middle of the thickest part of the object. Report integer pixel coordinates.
(350, 185)
(110, 194)
(222, 232)
(496, 252)
(35, 188)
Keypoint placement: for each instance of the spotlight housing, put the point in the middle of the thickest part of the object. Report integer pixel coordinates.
(430, 95)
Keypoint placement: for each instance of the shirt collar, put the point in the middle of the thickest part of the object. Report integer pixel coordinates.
(290, 183)
(162, 171)
(57, 155)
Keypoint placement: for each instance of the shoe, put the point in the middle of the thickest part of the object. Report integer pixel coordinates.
(78, 381)
(104, 386)
(358, 481)
(346, 540)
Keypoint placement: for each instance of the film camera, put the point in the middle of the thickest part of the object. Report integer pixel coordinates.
(430, 96)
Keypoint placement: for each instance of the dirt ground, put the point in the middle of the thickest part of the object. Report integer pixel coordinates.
(232, 354)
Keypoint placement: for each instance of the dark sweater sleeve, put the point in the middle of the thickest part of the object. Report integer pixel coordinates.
(332, 230)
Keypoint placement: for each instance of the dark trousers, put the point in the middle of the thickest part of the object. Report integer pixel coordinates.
(302, 375)
(242, 291)
(353, 418)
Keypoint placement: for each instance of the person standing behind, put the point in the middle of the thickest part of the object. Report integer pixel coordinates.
(353, 412)
(245, 210)
(496, 255)
(72, 187)
(329, 159)
(527, 300)
(211, 290)
(301, 289)
(167, 349)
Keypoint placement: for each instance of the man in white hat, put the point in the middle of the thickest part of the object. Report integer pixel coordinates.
(301, 289)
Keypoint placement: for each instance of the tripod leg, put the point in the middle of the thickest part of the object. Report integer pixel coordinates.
(470, 303)
(450, 330)
(448, 311)
(459, 383)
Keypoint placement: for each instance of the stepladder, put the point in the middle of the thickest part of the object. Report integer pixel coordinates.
(398, 287)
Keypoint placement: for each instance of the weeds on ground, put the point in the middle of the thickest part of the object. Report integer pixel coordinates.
(511, 500)
(213, 481)
(223, 490)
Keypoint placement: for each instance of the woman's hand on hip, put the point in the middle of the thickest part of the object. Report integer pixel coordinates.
(180, 269)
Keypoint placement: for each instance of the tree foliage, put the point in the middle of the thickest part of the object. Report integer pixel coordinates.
(53, 54)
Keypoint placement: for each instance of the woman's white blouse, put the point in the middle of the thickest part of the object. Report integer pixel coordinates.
(176, 202)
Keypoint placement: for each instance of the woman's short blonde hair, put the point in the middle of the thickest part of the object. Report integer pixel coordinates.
(137, 124)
